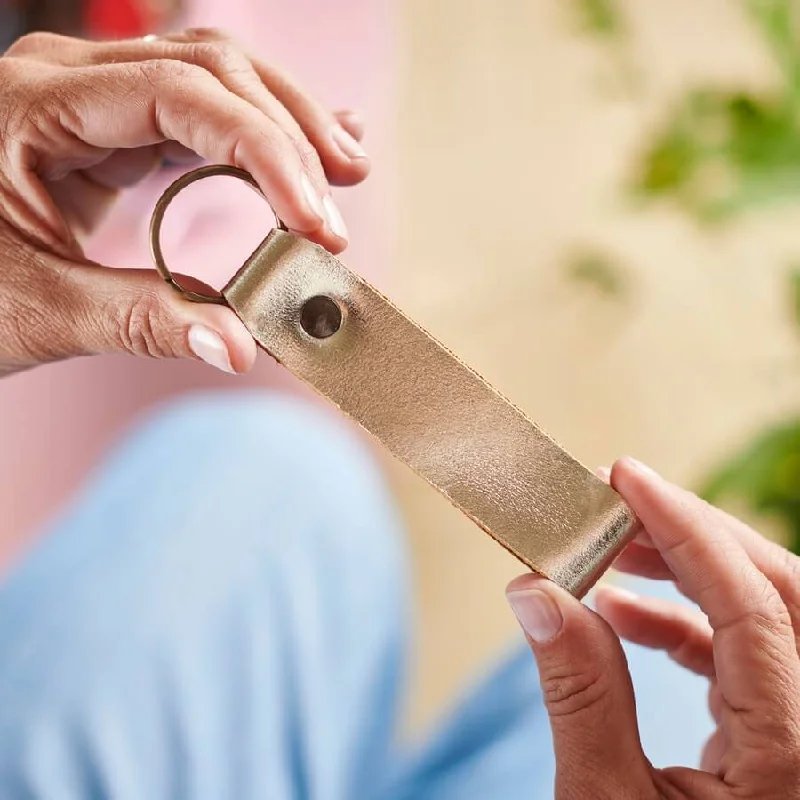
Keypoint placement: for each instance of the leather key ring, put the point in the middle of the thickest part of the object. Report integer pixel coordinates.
(351, 344)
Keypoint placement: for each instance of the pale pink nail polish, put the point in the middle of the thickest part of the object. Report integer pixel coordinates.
(347, 144)
(537, 613)
(311, 196)
(208, 346)
(335, 219)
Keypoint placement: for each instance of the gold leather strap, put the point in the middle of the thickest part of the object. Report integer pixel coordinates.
(352, 345)
(430, 410)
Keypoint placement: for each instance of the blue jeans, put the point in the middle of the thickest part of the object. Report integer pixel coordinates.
(224, 614)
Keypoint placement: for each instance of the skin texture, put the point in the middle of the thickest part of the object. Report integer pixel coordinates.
(745, 642)
(81, 121)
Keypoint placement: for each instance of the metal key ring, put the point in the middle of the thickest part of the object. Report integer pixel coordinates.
(160, 210)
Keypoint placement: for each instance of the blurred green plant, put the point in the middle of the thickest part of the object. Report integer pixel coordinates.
(597, 270)
(598, 17)
(604, 21)
(720, 152)
(765, 477)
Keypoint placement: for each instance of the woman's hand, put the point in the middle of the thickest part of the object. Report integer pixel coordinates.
(79, 121)
(747, 646)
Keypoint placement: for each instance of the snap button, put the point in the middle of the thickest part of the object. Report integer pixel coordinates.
(320, 317)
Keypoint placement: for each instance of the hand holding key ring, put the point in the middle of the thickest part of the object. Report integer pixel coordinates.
(160, 211)
(97, 102)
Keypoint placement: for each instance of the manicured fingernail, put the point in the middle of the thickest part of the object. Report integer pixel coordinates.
(209, 347)
(335, 218)
(604, 473)
(643, 468)
(312, 198)
(538, 614)
(347, 143)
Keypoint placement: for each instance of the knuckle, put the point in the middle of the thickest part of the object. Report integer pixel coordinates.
(142, 328)
(569, 694)
(35, 311)
(33, 43)
(787, 567)
(166, 72)
(208, 34)
(219, 57)
(12, 91)
(771, 612)
(309, 157)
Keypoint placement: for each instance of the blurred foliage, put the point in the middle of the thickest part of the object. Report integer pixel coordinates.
(765, 476)
(598, 270)
(720, 152)
(604, 21)
(717, 153)
(598, 17)
(794, 289)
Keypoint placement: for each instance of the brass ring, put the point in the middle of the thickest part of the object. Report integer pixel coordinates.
(161, 208)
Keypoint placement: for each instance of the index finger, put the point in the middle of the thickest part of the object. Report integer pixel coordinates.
(754, 645)
(138, 104)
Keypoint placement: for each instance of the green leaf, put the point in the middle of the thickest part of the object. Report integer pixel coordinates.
(765, 476)
(597, 270)
(794, 289)
(779, 22)
(598, 17)
(720, 153)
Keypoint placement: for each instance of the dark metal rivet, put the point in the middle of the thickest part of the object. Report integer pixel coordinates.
(321, 317)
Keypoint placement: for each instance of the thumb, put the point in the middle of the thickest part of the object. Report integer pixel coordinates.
(99, 310)
(587, 691)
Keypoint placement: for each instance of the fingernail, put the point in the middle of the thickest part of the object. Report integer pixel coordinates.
(209, 347)
(538, 614)
(335, 218)
(643, 468)
(347, 143)
(312, 198)
(604, 473)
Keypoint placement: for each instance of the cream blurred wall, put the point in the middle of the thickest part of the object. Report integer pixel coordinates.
(510, 154)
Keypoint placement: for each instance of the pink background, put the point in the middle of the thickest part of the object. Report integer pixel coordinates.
(56, 421)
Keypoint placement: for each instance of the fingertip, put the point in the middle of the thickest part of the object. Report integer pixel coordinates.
(604, 473)
(529, 580)
(346, 161)
(342, 169)
(536, 607)
(628, 469)
(240, 347)
(638, 484)
(347, 144)
(609, 598)
(243, 352)
(352, 120)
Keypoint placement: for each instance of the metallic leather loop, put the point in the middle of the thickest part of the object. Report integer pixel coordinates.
(431, 411)
(422, 402)
(160, 210)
